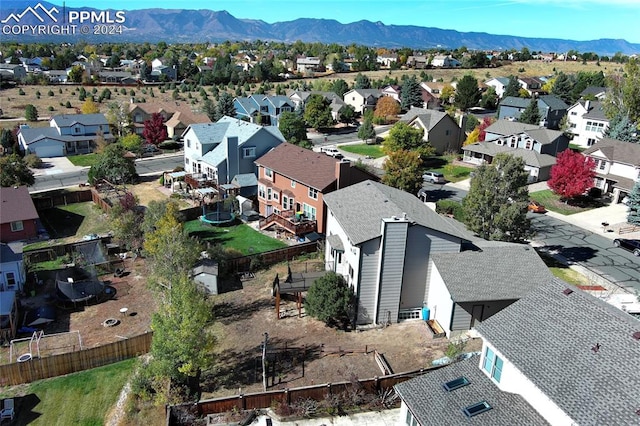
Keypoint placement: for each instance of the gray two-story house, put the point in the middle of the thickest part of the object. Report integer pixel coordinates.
(262, 109)
(551, 109)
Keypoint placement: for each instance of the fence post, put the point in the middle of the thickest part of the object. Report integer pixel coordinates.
(328, 389)
(287, 396)
(243, 403)
(376, 383)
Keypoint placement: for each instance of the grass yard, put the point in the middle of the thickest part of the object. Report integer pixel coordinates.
(239, 237)
(553, 203)
(559, 270)
(83, 398)
(83, 160)
(373, 151)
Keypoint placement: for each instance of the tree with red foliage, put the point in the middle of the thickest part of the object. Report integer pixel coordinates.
(486, 122)
(572, 175)
(154, 130)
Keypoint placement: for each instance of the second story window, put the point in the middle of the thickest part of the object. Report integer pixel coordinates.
(249, 152)
(268, 173)
(492, 364)
(188, 143)
(293, 183)
(313, 193)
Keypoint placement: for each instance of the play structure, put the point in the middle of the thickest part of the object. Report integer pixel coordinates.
(75, 286)
(296, 284)
(41, 345)
(219, 216)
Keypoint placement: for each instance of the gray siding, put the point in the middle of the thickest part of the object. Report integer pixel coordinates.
(461, 319)
(392, 270)
(443, 243)
(370, 254)
(416, 267)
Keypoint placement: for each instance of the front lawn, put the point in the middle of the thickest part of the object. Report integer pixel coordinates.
(83, 160)
(373, 151)
(83, 398)
(553, 203)
(239, 237)
(562, 271)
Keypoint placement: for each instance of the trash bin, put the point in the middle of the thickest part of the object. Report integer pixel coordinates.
(425, 313)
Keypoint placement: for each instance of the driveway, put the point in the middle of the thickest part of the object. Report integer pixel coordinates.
(56, 165)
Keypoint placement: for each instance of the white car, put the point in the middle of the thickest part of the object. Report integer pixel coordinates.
(332, 152)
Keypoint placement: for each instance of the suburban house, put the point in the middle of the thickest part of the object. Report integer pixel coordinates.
(362, 99)
(214, 153)
(117, 77)
(594, 92)
(532, 85)
(393, 91)
(440, 130)
(309, 64)
(558, 356)
(263, 109)
(13, 72)
(385, 60)
(587, 122)
(177, 116)
(468, 287)
(292, 182)
(445, 61)
(299, 99)
(537, 146)
(617, 166)
(499, 84)
(551, 109)
(57, 76)
(66, 135)
(12, 272)
(380, 239)
(417, 61)
(18, 215)
(8, 315)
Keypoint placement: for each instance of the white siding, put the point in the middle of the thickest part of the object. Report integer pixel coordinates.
(513, 381)
(624, 170)
(350, 257)
(439, 300)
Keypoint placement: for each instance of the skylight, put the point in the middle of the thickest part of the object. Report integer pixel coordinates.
(475, 409)
(456, 383)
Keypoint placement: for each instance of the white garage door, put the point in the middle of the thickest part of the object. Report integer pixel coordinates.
(49, 151)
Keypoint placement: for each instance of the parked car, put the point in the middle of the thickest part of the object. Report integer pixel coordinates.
(433, 177)
(536, 207)
(630, 245)
(332, 151)
(149, 147)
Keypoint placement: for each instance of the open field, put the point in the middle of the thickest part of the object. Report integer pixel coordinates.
(13, 104)
(83, 398)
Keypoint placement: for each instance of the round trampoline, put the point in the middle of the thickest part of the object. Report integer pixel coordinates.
(218, 218)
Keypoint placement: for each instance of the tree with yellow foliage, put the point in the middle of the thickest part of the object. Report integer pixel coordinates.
(89, 107)
(473, 136)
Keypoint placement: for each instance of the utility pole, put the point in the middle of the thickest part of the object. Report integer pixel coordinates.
(264, 362)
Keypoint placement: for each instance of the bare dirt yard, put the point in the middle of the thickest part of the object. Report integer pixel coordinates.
(330, 355)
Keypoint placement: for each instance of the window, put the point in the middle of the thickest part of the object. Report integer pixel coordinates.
(17, 226)
(590, 141)
(528, 144)
(456, 384)
(475, 409)
(293, 183)
(287, 203)
(188, 143)
(309, 211)
(447, 132)
(313, 193)
(268, 173)
(410, 420)
(11, 280)
(492, 364)
(602, 164)
(249, 152)
(574, 113)
(261, 191)
(269, 193)
(76, 130)
(592, 126)
(276, 196)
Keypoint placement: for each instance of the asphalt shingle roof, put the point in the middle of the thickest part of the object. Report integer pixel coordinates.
(617, 151)
(496, 272)
(530, 157)
(68, 120)
(550, 337)
(430, 118)
(16, 204)
(360, 208)
(595, 112)
(9, 254)
(313, 169)
(507, 127)
(432, 405)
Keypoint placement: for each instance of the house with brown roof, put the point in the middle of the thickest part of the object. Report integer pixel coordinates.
(18, 215)
(617, 166)
(177, 116)
(292, 182)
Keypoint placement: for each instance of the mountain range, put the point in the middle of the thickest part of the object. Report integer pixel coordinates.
(201, 26)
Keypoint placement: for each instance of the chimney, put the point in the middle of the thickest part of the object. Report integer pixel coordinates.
(343, 174)
(587, 104)
(233, 158)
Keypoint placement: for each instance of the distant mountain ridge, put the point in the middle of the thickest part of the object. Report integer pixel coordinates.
(199, 26)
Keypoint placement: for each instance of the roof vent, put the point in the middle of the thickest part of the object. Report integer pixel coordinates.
(567, 291)
(596, 348)
(636, 335)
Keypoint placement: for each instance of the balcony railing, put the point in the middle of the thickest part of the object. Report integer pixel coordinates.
(199, 180)
(290, 222)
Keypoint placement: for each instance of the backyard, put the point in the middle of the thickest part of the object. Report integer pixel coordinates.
(240, 237)
(84, 398)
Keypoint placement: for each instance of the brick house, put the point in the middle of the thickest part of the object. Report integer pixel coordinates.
(18, 215)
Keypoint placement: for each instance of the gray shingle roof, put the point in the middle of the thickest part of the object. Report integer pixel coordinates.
(515, 101)
(496, 272)
(68, 120)
(553, 102)
(34, 134)
(617, 151)
(430, 118)
(9, 253)
(595, 112)
(360, 208)
(432, 405)
(543, 135)
(506, 127)
(530, 157)
(549, 336)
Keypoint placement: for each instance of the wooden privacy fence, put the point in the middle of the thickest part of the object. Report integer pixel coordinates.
(271, 257)
(50, 200)
(71, 362)
(253, 401)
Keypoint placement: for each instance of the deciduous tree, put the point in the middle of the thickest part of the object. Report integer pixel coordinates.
(112, 166)
(330, 299)
(317, 113)
(292, 127)
(89, 107)
(402, 170)
(407, 138)
(14, 171)
(366, 132)
(155, 132)
(572, 174)
(496, 206)
(386, 107)
(131, 142)
(346, 114)
(486, 122)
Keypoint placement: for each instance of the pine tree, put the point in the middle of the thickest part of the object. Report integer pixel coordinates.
(411, 93)
(366, 132)
(531, 114)
(634, 205)
(512, 88)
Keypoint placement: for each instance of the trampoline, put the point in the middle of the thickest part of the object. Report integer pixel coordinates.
(219, 217)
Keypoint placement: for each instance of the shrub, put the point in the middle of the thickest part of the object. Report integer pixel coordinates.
(451, 208)
(21, 92)
(33, 161)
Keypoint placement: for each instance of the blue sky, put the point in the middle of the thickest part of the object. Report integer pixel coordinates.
(566, 19)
